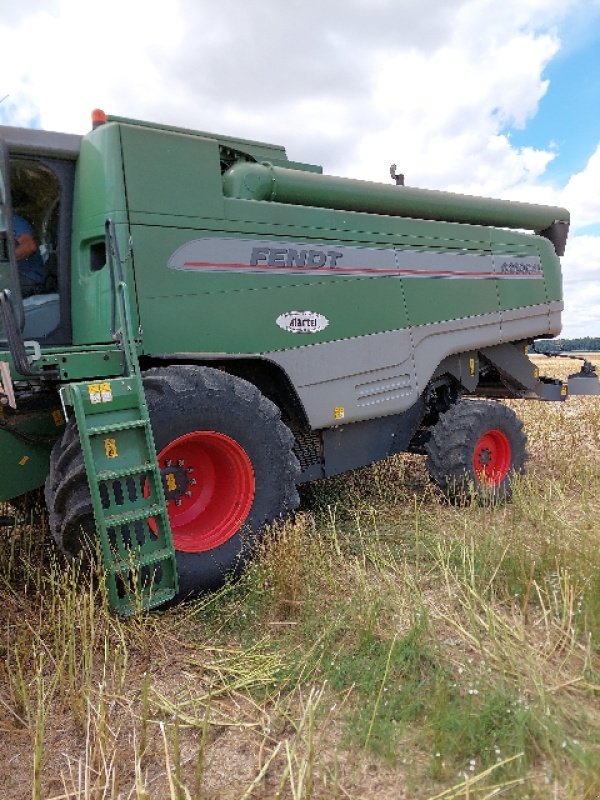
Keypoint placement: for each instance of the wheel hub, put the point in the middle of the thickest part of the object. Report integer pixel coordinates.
(176, 480)
(485, 457)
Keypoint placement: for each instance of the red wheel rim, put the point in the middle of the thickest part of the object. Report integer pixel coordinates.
(492, 457)
(217, 492)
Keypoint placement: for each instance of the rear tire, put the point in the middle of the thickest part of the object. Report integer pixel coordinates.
(232, 457)
(475, 450)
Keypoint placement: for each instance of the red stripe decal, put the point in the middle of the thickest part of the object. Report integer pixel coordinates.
(355, 271)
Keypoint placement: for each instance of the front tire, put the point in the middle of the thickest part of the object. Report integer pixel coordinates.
(475, 449)
(229, 466)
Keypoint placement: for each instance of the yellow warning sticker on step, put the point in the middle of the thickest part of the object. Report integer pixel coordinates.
(58, 417)
(23, 461)
(100, 392)
(106, 392)
(94, 393)
(110, 448)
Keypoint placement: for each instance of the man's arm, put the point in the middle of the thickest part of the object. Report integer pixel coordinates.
(26, 246)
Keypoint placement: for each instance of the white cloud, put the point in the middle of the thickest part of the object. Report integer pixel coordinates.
(581, 263)
(581, 275)
(58, 64)
(582, 193)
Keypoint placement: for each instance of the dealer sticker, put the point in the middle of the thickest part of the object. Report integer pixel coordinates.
(302, 322)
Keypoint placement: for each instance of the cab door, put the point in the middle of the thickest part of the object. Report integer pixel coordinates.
(9, 278)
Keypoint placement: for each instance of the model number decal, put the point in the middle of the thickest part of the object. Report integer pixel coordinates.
(521, 268)
(302, 322)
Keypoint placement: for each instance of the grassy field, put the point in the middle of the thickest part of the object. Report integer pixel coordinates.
(384, 645)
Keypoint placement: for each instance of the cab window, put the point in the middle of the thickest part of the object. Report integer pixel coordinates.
(39, 189)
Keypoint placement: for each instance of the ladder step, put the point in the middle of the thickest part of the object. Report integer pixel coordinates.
(113, 474)
(116, 427)
(128, 606)
(160, 596)
(122, 565)
(154, 510)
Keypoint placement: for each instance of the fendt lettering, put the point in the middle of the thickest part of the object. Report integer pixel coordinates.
(160, 316)
(288, 257)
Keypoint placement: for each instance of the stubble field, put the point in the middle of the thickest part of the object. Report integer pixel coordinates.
(384, 645)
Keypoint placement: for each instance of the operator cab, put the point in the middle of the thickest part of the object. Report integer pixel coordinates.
(37, 178)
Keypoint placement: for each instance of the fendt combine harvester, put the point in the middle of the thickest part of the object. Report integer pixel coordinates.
(218, 324)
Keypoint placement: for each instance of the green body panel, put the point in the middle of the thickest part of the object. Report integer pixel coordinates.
(261, 151)
(237, 321)
(352, 227)
(188, 312)
(459, 299)
(181, 176)
(24, 465)
(99, 194)
(78, 363)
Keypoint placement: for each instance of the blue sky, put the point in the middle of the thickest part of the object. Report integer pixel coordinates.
(492, 97)
(568, 117)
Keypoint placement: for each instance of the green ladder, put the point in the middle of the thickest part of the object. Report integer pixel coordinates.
(128, 500)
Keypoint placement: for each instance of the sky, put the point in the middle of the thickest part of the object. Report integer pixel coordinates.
(492, 97)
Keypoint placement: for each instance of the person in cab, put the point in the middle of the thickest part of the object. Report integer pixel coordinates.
(29, 258)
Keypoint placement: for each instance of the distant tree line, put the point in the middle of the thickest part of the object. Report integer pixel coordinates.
(585, 343)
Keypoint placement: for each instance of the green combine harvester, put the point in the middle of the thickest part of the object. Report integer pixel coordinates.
(217, 324)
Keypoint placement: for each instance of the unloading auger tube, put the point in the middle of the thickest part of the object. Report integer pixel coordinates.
(254, 181)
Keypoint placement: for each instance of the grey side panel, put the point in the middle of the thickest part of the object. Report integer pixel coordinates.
(513, 365)
(385, 373)
(464, 367)
(361, 443)
(530, 321)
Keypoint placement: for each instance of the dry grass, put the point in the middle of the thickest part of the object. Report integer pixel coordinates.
(385, 645)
